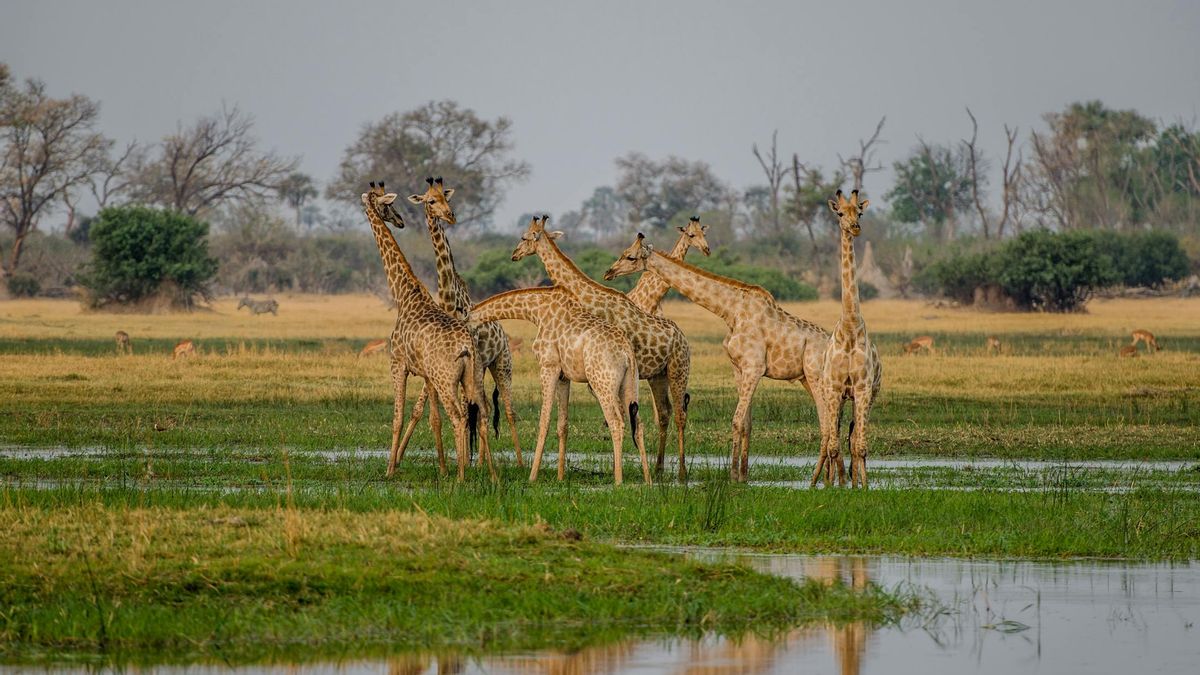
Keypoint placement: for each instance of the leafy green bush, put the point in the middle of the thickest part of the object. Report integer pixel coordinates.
(1144, 258)
(141, 254)
(22, 285)
(495, 272)
(956, 276)
(867, 291)
(1053, 272)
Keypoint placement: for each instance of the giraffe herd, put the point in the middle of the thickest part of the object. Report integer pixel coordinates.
(588, 332)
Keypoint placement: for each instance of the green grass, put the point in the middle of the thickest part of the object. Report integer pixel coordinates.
(125, 584)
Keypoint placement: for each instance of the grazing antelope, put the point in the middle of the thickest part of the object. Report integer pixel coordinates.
(1128, 351)
(124, 345)
(993, 344)
(184, 348)
(1146, 336)
(919, 343)
(259, 306)
(373, 347)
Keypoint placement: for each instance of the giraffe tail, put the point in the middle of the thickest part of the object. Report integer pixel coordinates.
(472, 426)
(471, 393)
(633, 421)
(496, 410)
(849, 444)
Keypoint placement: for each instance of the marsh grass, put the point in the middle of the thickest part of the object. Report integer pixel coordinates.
(142, 584)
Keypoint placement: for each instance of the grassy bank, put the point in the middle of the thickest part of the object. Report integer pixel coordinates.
(1052, 521)
(236, 584)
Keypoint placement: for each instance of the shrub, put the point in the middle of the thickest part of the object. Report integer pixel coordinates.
(956, 276)
(142, 254)
(867, 291)
(22, 285)
(1144, 258)
(495, 272)
(1052, 272)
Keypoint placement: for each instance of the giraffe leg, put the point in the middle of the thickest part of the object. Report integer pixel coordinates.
(746, 441)
(747, 384)
(549, 377)
(400, 388)
(502, 375)
(435, 426)
(858, 440)
(834, 457)
(418, 413)
(661, 396)
(563, 394)
(823, 422)
(616, 429)
(677, 373)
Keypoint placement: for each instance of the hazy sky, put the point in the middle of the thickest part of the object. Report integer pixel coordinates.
(586, 83)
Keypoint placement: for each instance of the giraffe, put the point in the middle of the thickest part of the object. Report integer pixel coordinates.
(663, 354)
(648, 293)
(763, 339)
(426, 342)
(850, 367)
(491, 342)
(574, 346)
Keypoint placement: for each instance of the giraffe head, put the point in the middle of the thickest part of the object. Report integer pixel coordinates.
(380, 201)
(534, 237)
(633, 259)
(436, 199)
(848, 211)
(695, 234)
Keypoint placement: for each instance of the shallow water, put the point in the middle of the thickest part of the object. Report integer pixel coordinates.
(997, 617)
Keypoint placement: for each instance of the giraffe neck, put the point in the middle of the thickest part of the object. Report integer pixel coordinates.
(527, 304)
(650, 288)
(401, 279)
(851, 316)
(713, 292)
(563, 272)
(452, 290)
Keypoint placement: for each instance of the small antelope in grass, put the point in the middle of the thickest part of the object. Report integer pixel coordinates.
(259, 306)
(918, 343)
(373, 347)
(1128, 351)
(184, 348)
(993, 344)
(1146, 336)
(124, 345)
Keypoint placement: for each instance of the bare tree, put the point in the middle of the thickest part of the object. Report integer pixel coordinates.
(48, 147)
(775, 170)
(216, 160)
(858, 166)
(810, 191)
(114, 176)
(440, 138)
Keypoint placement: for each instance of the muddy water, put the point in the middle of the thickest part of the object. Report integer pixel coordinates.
(993, 617)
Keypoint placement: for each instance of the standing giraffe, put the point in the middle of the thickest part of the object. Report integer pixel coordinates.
(491, 342)
(663, 354)
(648, 293)
(574, 346)
(426, 342)
(763, 339)
(850, 367)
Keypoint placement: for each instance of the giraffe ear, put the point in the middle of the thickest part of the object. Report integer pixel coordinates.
(681, 228)
(449, 192)
(388, 198)
(416, 199)
(862, 206)
(833, 206)
(704, 227)
(557, 234)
